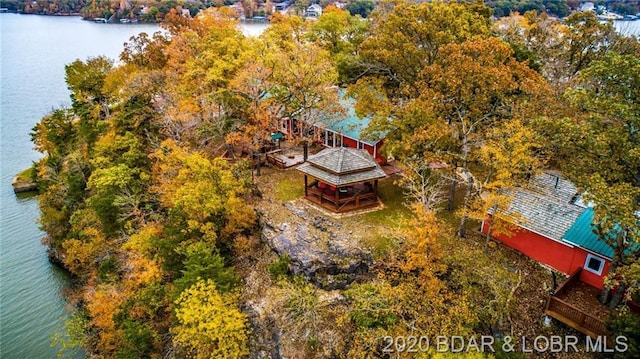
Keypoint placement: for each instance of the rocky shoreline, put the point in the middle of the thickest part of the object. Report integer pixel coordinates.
(24, 183)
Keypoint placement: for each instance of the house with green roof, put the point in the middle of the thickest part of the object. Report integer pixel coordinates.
(596, 253)
(346, 131)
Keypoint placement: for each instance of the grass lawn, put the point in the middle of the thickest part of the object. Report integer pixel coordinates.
(394, 201)
(288, 185)
(378, 229)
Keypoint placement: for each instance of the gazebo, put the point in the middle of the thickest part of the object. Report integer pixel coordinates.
(342, 179)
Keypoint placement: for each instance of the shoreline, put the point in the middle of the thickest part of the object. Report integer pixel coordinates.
(23, 182)
(251, 20)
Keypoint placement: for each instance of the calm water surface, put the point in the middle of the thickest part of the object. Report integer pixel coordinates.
(33, 52)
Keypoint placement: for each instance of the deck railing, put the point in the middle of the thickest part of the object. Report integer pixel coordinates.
(568, 284)
(572, 316)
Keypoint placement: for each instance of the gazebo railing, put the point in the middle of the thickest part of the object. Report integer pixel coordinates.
(320, 197)
(356, 198)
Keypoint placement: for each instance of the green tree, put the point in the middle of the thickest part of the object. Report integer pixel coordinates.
(85, 80)
(341, 34)
(599, 149)
(202, 262)
(360, 7)
(626, 325)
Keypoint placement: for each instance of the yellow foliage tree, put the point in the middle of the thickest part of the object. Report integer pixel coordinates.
(209, 325)
(208, 195)
(102, 304)
(422, 251)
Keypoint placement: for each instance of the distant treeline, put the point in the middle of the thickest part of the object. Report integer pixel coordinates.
(46, 7)
(147, 11)
(151, 11)
(560, 8)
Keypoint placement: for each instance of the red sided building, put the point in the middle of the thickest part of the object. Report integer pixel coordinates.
(554, 228)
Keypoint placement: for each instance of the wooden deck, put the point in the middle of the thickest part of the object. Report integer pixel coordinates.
(560, 308)
(284, 159)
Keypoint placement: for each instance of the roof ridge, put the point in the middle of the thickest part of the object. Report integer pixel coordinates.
(341, 158)
(550, 198)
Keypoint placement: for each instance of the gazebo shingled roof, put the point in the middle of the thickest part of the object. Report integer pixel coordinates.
(342, 166)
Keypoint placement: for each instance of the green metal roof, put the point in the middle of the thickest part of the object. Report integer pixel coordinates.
(581, 234)
(351, 125)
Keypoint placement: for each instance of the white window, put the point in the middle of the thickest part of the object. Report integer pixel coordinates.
(594, 264)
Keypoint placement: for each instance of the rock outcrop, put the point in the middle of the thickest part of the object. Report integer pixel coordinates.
(23, 185)
(317, 246)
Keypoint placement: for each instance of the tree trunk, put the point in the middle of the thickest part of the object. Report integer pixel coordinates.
(486, 242)
(604, 295)
(618, 252)
(462, 230)
(490, 225)
(617, 297)
(452, 194)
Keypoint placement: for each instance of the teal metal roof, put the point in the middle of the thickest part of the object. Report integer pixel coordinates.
(351, 125)
(581, 234)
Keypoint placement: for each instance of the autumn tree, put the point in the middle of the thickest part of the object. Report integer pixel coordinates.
(209, 324)
(146, 51)
(303, 76)
(405, 37)
(204, 55)
(258, 111)
(511, 155)
(341, 34)
(465, 94)
(205, 200)
(437, 90)
(598, 149)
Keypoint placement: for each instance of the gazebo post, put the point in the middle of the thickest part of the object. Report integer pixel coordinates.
(375, 190)
(305, 186)
(337, 198)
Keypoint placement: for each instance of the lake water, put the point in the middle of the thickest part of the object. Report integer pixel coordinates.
(628, 28)
(33, 52)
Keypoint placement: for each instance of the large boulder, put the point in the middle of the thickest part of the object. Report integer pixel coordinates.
(318, 248)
